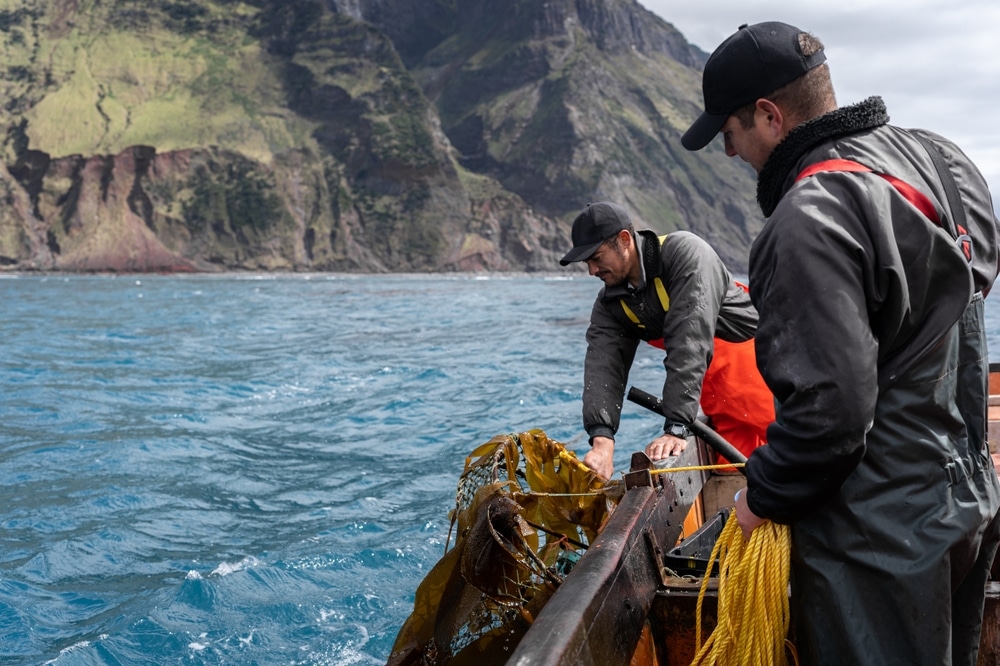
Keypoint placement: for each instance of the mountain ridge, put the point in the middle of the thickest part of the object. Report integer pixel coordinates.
(355, 135)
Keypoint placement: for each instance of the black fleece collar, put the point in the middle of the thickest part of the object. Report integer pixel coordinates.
(650, 252)
(862, 116)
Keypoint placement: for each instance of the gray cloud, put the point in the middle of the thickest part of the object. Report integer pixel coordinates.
(934, 62)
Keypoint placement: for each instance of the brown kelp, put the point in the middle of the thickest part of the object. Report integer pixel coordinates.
(525, 509)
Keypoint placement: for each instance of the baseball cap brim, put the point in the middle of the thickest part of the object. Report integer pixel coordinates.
(580, 253)
(704, 129)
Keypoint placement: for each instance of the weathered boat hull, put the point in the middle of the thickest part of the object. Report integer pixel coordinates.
(599, 615)
(621, 605)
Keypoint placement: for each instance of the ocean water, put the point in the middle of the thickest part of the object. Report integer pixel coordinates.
(257, 469)
(253, 469)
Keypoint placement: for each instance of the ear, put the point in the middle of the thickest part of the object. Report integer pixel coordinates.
(624, 238)
(773, 117)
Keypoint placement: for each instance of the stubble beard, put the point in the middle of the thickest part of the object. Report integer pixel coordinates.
(611, 280)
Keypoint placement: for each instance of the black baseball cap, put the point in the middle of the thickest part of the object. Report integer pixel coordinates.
(595, 224)
(751, 64)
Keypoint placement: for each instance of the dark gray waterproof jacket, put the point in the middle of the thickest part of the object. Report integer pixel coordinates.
(704, 302)
(871, 339)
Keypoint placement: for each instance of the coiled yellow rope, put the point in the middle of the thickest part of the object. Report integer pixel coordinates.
(753, 614)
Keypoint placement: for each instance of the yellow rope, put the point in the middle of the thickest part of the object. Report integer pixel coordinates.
(696, 468)
(665, 470)
(753, 615)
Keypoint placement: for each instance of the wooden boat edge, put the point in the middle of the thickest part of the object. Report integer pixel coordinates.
(597, 616)
(590, 619)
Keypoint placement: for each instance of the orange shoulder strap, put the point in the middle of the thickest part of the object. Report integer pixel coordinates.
(919, 200)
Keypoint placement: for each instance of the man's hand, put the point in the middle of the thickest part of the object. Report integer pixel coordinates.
(665, 445)
(601, 457)
(748, 520)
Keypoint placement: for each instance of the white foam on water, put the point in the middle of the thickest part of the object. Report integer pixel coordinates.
(348, 652)
(199, 646)
(248, 562)
(67, 650)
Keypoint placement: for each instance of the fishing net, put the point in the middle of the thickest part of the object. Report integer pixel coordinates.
(525, 510)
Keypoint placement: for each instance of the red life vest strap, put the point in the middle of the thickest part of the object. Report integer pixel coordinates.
(910, 193)
(919, 200)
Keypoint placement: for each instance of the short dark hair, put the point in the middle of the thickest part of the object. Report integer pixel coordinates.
(615, 243)
(806, 97)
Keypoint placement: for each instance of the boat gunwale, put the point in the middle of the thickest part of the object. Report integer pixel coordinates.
(597, 615)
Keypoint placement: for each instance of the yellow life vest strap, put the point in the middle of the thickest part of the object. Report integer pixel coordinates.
(661, 293)
(630, 314)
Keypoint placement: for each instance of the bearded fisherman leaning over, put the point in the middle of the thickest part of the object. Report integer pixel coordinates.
(869, 276)
(675, 293)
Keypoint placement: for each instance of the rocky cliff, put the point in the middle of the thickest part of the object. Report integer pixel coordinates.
(346, 135)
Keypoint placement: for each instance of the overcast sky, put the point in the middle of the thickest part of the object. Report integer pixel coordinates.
(935, 62)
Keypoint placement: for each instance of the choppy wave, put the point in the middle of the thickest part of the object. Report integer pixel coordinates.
(250, 469)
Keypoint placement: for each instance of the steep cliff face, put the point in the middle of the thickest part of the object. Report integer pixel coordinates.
(569, 101)
(353, 135)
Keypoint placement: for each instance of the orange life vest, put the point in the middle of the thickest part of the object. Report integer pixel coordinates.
(734, 397)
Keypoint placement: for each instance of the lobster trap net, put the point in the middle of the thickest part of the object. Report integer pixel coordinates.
(526, 508)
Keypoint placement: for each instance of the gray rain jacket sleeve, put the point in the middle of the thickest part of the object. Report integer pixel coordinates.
(704, 301)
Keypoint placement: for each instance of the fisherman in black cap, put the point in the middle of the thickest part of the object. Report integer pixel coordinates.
(675, 293)
(869, 277)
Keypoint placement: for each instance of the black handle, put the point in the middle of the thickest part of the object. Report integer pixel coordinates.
(712, 438)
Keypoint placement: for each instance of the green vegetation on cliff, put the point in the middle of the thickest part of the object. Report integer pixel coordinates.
(362, 135)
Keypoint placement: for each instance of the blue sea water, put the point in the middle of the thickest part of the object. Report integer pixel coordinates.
(258, 469)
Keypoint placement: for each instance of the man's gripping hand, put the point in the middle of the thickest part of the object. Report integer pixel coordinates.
(664, 446)
(601, 457)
